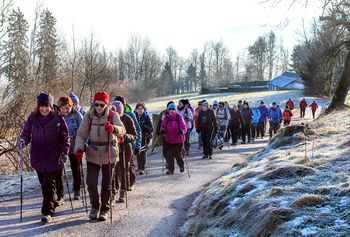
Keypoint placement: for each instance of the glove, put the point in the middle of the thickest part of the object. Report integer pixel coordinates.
(79, 155)
(180, 132)
(62, 159)
(136, 152)
(120, 140)
(162, 132)
(109, 128)
(21, 143)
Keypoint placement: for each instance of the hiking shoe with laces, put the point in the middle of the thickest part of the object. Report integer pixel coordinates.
(141, 172)
(93, 214)
(76, 195)
(210, 157)
(182, 169)
(204, 157)
(169, 172)
(103, 216)
(121, 197)
(131, 188)
(46, 219)
(59, 201)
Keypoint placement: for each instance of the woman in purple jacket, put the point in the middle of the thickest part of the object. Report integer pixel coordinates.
(47, 132)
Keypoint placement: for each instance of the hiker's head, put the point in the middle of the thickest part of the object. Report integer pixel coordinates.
(75, 100)
(262, 103)
(172, 108)
(140, 108)
(200, 104)
(44, 103)
(240, 102)
(66, 104)
(215, 104)
(121, 99)
(101, 101)
(118, 107)
(227, 105)
(205, 105)
(274, 105)
(235, 108)
(221, 105)
(181, 103)
(245, 104)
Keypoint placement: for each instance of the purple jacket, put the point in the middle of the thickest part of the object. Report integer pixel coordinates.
(172, 124)
(264, 113)
(49, 138)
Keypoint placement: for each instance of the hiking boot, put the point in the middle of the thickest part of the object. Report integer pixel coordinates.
(210, 157)
(93, 214)
(131, 188)
(59, 201)
(242, 142)
(187, 153)
(46, 219)
(248, 141)
(182, 169)
(76, 195)
(141, 172)
(253, 139)
(169, 172)
(103, 216)
(121, 197)
(204, 157)
(233, 144)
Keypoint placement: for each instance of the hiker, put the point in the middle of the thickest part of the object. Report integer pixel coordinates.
(222, 119)
(174, 129)
(264, 112)
(47, 132)
(287, 116)
(228, 131)
(101, 126)
(290, 104)
(240, 107)
(122, 174)
(207, 127)
(147, 129)
(314, 107)
(76, 103)
(186, 113)
(255, 121)
(73, 120)
(196, 113)
(303, 105)
(235, 123)
(136, 145)
(247, 115)
(274, 119)
(215, 106)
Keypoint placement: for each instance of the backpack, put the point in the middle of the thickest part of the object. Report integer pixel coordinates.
(217, 141)
(225, 117)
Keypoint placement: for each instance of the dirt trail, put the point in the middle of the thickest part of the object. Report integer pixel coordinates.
(157, 206)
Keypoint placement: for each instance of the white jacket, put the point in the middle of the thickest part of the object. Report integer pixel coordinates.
(223, 116)
(187, 115)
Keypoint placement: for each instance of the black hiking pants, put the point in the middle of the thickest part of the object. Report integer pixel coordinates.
(260, 130)
(141, 158)
(75, 166)
(246, 132)
(206, 139)
(273, 128)
(302, 112)
(175, 152)
(48, 189)
(234, 133)
(253, 129)
(59, 184)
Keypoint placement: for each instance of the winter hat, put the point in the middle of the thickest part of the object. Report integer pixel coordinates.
(261, 102)
(118, 106)
(205, 103)
(74, 98)
(170, 102)
(103, 96)
(245, 103)
(215, 102)
(172, 106)
(121, 99)
(45, 98)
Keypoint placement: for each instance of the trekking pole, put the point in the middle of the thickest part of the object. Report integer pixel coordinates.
(110, 177)
(66, 177)
(21, 166)
(125, 174)
(83, 198)
(188, 168)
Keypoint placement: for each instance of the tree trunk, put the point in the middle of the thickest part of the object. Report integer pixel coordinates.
(343, 86)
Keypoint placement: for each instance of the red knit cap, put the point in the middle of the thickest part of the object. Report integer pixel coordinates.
(102, 96)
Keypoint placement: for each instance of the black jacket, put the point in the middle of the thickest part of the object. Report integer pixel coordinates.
(145, 123)
(236, 118)
(206, 121)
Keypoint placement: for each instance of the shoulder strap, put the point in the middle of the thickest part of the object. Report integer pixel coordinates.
(110, 117)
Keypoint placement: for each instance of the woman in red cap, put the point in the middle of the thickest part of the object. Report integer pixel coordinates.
(100, 125)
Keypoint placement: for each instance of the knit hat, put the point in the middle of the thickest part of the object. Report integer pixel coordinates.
(118, 106)
(121, 99)
(172, 106)
(205, 103)
(170, 102)
(102, 96)
(74, 98)
(215, 102)
(45, 98)
(261, 102)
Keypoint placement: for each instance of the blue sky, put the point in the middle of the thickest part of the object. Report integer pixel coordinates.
(183, 24)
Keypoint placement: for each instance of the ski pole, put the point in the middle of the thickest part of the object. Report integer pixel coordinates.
(188, 168)
(83, 198)
(110, 177)
(70, 197)
(125, 174)
(21, 166)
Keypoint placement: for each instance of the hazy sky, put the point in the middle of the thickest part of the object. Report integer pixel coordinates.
(183, 24)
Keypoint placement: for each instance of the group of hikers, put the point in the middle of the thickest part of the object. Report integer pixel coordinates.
(111, 134)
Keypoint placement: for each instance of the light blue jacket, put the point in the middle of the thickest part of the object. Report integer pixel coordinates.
(256, 116)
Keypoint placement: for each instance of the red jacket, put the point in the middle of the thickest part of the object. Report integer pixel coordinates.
(303, 104)
(314, 106)
(290, 104)
(287, 114)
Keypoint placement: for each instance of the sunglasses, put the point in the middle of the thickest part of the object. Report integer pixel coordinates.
(99, 105)
(171, 109)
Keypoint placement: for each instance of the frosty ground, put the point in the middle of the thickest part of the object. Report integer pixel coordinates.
(158, 205)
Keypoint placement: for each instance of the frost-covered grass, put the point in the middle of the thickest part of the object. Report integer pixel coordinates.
(279, 191)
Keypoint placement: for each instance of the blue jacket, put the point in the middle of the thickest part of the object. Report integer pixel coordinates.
(138, 142)
(264, 112)
(274, 115)
(247, 115)
(73, 121)
(256, 116)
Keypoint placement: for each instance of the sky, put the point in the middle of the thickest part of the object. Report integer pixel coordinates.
(182, 24)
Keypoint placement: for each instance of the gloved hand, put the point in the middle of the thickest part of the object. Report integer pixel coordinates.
(136, 152)
(181, 132)
(21, 144)
(162, 132)
(79, 155)
(109, 128)
(120, 140)
(62, 159)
